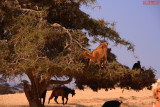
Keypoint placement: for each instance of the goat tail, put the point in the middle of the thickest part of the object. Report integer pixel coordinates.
(87, 55)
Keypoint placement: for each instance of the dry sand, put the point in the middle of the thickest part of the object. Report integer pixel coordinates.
(86, 98)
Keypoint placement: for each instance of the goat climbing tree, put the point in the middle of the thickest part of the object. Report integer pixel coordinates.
(44, 39)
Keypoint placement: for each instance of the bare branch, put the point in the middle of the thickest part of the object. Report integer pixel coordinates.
(56, 25)
(60, 82)
(29, 10)
(81, 45)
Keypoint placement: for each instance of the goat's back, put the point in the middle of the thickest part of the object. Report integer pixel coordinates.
(100, 51)
(112, 103)
(102, 46)
(61, 91)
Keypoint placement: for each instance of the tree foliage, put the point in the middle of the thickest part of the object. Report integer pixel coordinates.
(44, 39)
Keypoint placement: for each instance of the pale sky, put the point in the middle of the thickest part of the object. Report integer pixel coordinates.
(138, 23)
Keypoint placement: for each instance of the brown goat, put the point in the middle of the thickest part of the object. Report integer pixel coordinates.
(99, 53)
(61, 91)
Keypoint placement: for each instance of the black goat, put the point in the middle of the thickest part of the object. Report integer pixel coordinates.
(44, 96)
(112, 103)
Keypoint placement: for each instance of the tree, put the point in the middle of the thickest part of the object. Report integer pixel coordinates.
(44, 39)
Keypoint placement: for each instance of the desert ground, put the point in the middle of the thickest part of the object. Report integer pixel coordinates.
(86, 98)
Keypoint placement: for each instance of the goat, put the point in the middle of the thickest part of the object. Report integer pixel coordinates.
(61, 91)
(137, 65)
(99, 53)
(112, 103)
(44, 96)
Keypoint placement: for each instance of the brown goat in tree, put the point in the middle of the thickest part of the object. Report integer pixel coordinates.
(61, 91)
(99, 53)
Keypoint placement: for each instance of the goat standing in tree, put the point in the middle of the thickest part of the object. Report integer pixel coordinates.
(99, 53)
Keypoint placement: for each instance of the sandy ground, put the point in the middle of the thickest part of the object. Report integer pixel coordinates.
(86, 98)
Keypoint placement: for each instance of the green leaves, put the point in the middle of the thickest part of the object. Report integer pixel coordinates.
(49, 41)
(4, 49)
(115, 75)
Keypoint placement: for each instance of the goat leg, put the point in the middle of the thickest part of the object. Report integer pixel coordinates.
(56, 99)
(66, 100)
(63, 100)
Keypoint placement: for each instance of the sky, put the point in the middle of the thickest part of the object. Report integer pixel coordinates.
(135, 22)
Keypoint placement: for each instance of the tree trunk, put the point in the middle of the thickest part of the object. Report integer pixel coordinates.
(34, 92)
(34, 101)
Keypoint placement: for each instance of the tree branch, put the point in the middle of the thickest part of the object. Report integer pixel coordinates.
(56, 25)
(29, 10)
(60, 82)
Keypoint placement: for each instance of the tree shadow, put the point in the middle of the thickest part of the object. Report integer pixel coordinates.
(54, 105)
(77, 105)
(66, 105)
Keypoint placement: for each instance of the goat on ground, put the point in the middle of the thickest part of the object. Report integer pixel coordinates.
(61, 91)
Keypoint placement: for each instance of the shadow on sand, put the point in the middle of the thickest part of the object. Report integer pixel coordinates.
(67, 105)
(54, 105)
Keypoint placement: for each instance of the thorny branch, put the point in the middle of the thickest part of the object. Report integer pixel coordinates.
(56, 25)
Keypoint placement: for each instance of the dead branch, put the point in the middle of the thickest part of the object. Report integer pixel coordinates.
(60, 82)
(56, 25)
(29, 10)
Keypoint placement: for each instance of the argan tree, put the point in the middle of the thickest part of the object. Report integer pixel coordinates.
(45, 39)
